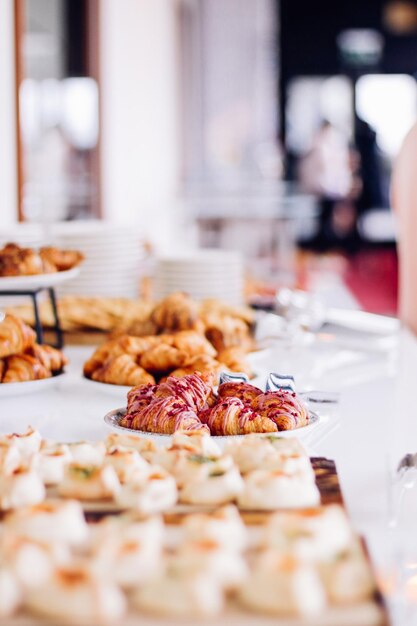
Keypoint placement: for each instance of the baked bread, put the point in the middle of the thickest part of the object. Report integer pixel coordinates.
(62, 260)
(23, 368)
(176, 312)
(52, 359)
(164, 415)
(231, 417)
(284, 407)
(244, 391)
(15, 336)
(122, 370)
(195, 390)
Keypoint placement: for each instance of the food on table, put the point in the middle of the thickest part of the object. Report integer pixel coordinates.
(283, 585)
(21, 487)
(190, 403)
(87, 453)
(149, 492)
(55, 564)
(139, 360)
(21, 359)
(267, 490)
(51, 462)
(55, 521)
(89, 482)
(18, 261)
(77, 594)
(180, 595)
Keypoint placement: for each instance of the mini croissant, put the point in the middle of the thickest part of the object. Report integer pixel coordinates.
(23, 368)
(122, 370)
(15, 336)
(164, 415)
(232, 417)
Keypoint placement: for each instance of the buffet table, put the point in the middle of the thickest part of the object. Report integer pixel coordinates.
(372, 424)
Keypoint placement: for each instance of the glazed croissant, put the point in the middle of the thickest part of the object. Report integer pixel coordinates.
(122, 370)
(244, 391)
(232, 417)
(24, 367)
(194, 390)
(15, 336)
(139, 397)
(164, 415)
(51, 358)
(283, 407)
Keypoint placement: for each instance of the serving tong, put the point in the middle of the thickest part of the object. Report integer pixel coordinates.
(275, 382)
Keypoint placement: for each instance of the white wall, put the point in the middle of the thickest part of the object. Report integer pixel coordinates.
(8, 184)
(140, 134)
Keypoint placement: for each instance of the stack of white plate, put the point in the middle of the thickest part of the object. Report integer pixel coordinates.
(113, 256)
(26, 235)
(202, 273)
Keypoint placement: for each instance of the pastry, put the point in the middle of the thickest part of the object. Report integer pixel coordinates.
(176, 312)
(217, 481)
(15, 336)
(251, 452)
(122, 370)
(224, 526)
(164, 415)
(283, 586)
(89, 482)
(270, 490)
(10, 594)
(234, 359)
(312, 535)
(180, 595)
(23, 367)
(50, 463)
(283, 407)
(55, 521)
(86, 453)
(10, 457)
(231, 417)
(131, 526)
(149, 494)
(203, 364)
(51, 358)
(63, 260)
(22, 487)
(126, 462)
(75, 594)
(17, 261)
(27, 443)
(227, 567)
(347, 577)
(195, 390)
(244, 391)
(163, 358)
(139, 397)
(193, 344)
(145, 446)
(226, 332)
(195, 442)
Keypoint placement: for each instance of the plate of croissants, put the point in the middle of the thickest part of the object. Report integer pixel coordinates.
(27, 268)
(192, 403)
(26, 366)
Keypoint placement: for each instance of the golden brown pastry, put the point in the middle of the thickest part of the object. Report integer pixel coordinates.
(163, 358)
(225, 331)
(23, 367)
(2, 369)
(139, 397)
(51, 358)
(234, 358)
(244, 391)
(62, 259)
(15, 336)
(193, 344)
(202, 364)
(109, 350)
(164, 415)
(17, 261)
(122, 370)
(176, 312)
(231, 417)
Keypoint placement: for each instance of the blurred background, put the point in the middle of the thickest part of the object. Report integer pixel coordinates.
(261, 126)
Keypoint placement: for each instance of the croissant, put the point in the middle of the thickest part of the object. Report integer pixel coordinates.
(15, 336)
(193, 343)
(110, 349)
(51, 358)
(234, 358)
(232, 417)
(162, 358)
(283, 407)
(17, 261)
(164, 415)
(225, 332)
(200, 364)
(194, 390)
(137, 345)
(61, 259)
(24, 367)
(176, 312)
(122, 370)
(244, 391)
(2, 369)
(139, 397)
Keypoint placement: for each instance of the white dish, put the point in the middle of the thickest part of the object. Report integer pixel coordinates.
(112, 421)
(8, 390)
(114, 390)
(24, 283)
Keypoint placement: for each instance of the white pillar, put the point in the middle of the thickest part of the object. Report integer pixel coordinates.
(8, 152)
(139, 114)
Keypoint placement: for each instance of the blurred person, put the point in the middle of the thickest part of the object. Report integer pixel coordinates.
(328, 171)
(404, 203)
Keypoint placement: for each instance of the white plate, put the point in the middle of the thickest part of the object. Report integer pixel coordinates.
(8, 390)
(112, 420)
(24, 283)
(114, 390)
